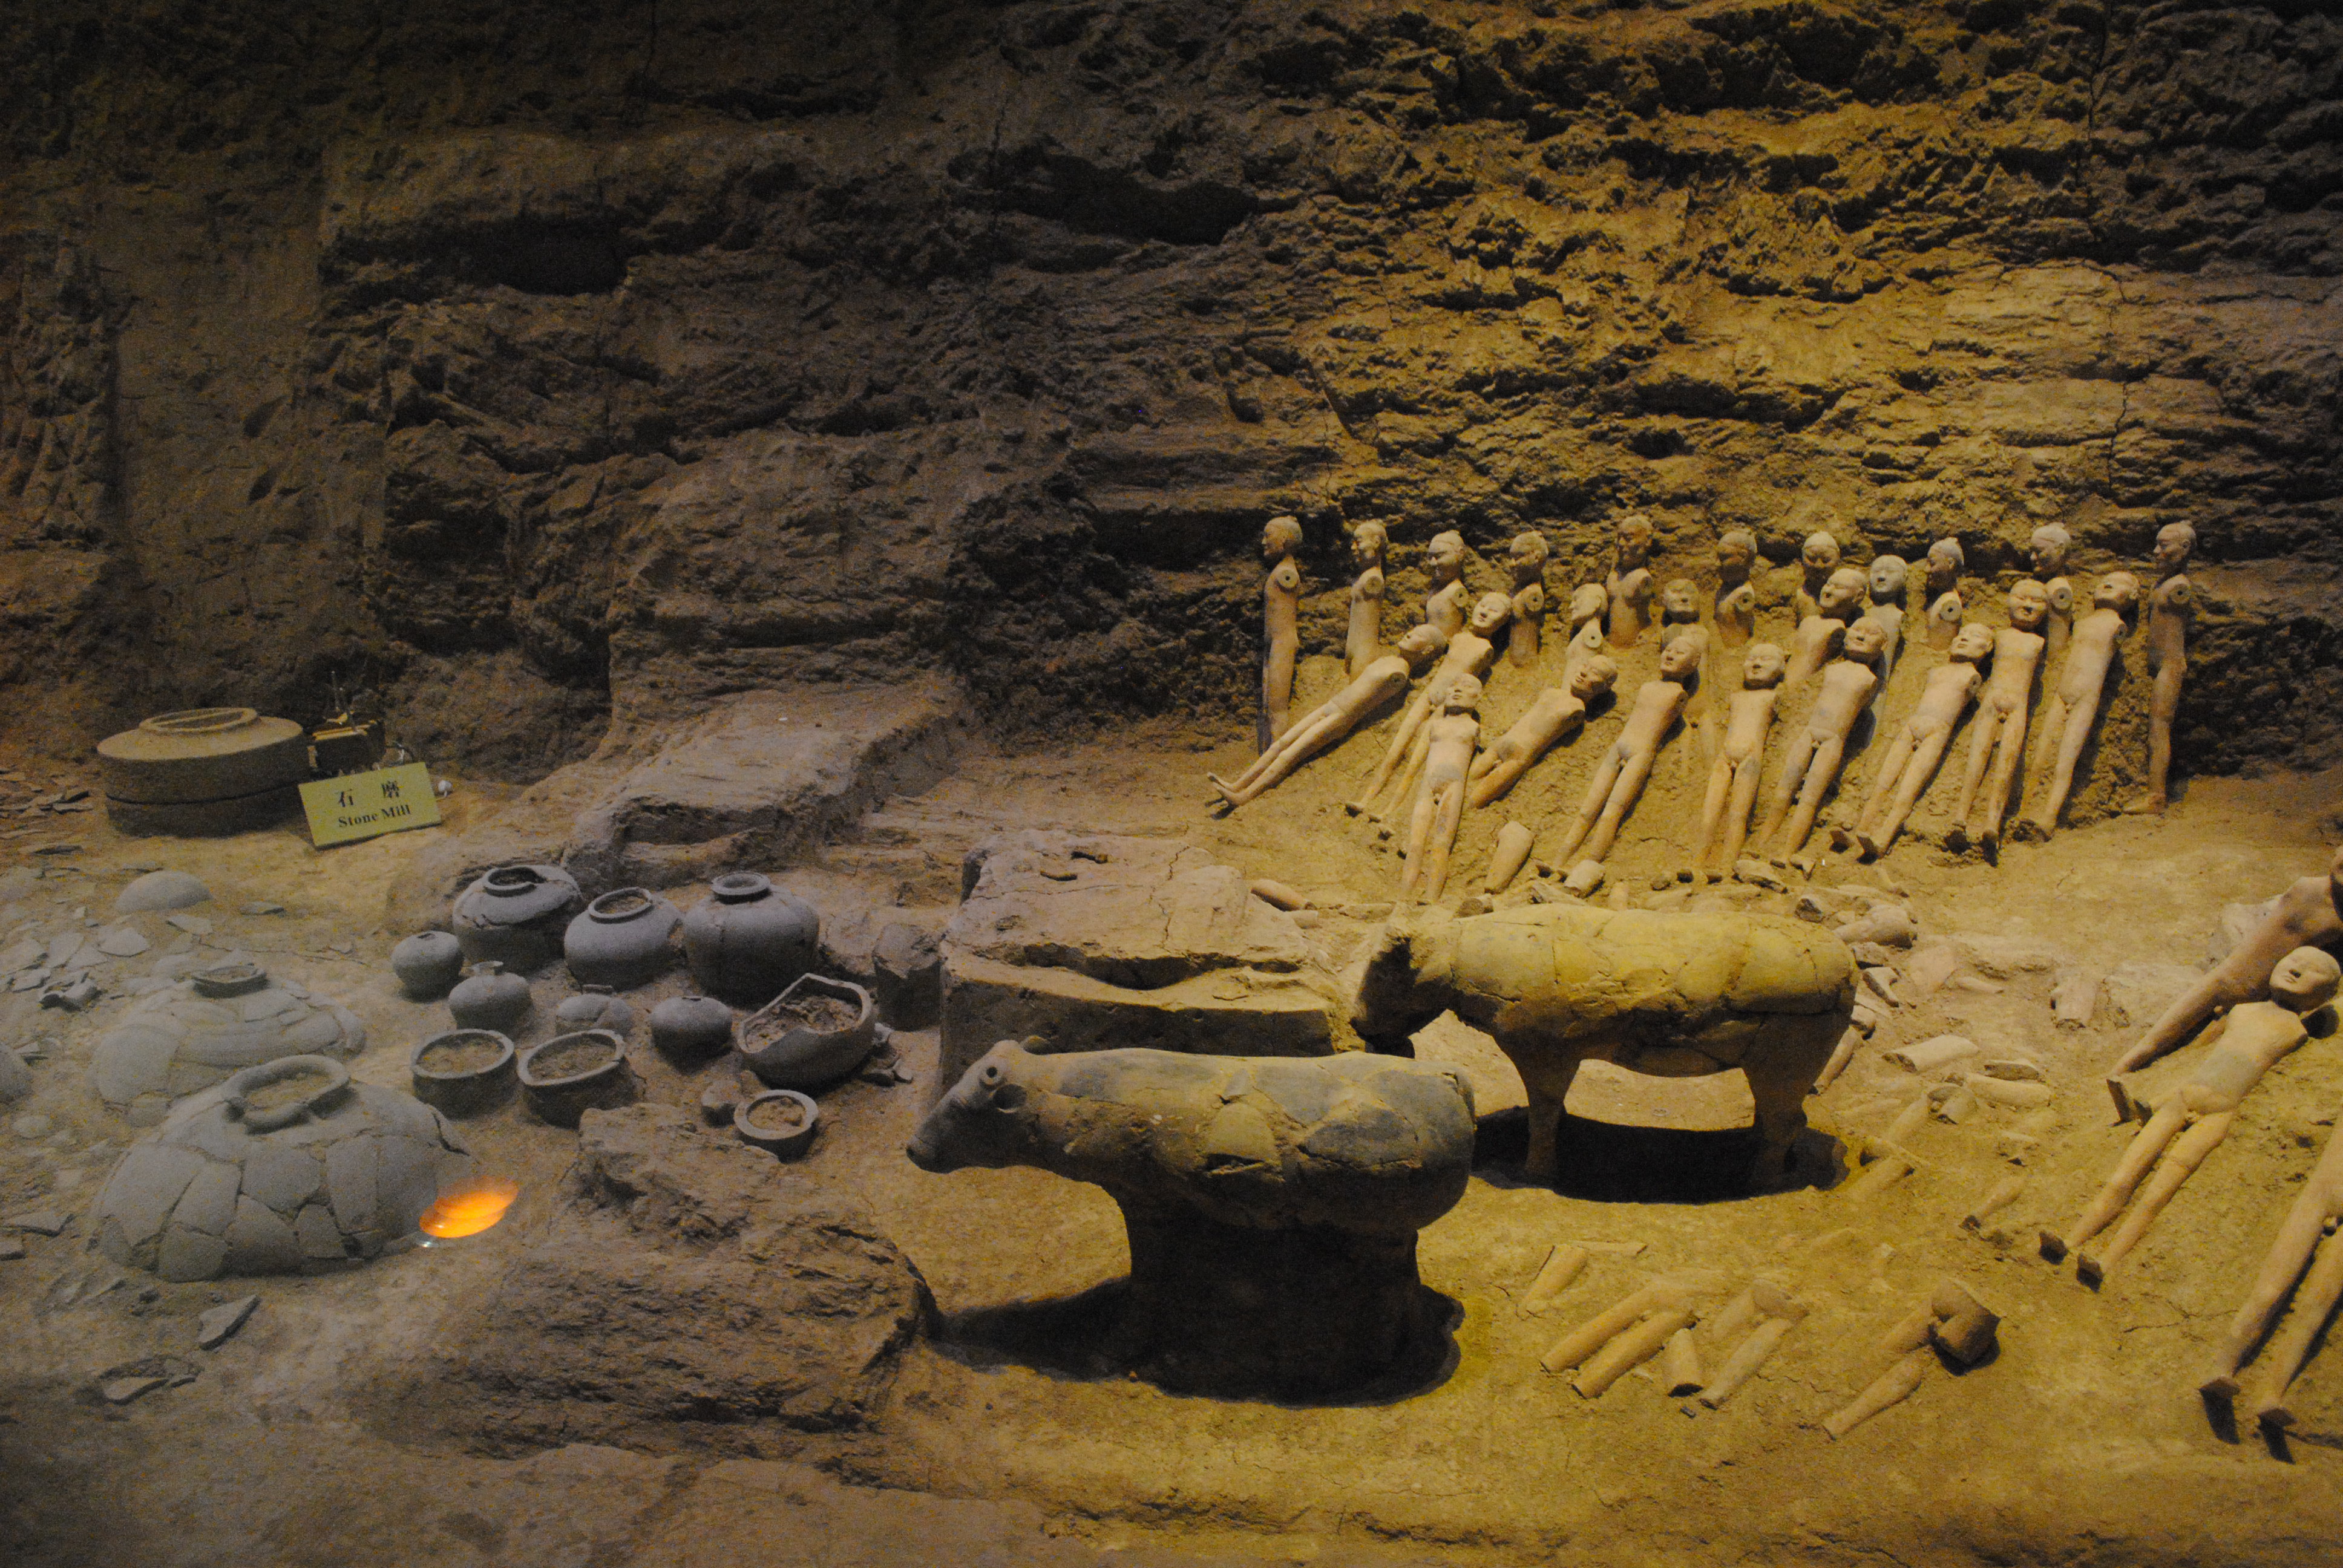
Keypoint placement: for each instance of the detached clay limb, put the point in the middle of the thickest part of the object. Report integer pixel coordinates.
(1563, 1265)
(1815, 757)
(1735, 611)
(2170, 604)
(1556, 712)
(1894, 1386)
(1997, 738)
(2314, 1303)
(1383, 680)
(2003, 1194)
(2309, 914)
(1363, 639)
(1574, 1347)
(1963, 1329)
(1630, 1350)
(1850, 1040)
(1443, 607)
(1945, 609)
(1508, 855)
(1440, 799)
(1625, 765)
(1747, 1356)
(1627, 591)
(1470, 651)
(1680, 1365)
(1733, 776)
(1281, 593)
(1912, 758)
(2197, 1113)
(2049, 548)
(1820, 635)
(2082, 682)
(1527, 560)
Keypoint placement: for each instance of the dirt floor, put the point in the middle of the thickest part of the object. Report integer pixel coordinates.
(2082, 1442)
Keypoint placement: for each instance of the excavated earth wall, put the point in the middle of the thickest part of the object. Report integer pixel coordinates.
(552, 368)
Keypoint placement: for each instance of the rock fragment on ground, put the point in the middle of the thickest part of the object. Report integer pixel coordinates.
(162, 890)
(217, 1325)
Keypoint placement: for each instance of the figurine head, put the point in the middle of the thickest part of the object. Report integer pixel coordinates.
(1445, 555)
(1634, 536)
(1820, 552)
(2029, 605)
(1841, 592)
(2116, 591)
(1680, 658)
(1680, 600)
(1886, 576)
(1865, 640)
(1763, 664)
(1971, 643)
(1280, 538)
(2175, 543)
(2049, 546)
(1587, 601)
(1369, 540)
(1593, 677)
(1736, 548)
(1420, 645)
(2305, 981)
(1464, 694)
(1490, 614)
(1529, 555)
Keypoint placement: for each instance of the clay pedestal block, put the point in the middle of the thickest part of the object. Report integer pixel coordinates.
(1092, 941)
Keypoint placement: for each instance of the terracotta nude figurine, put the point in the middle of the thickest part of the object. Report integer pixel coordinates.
(1736, 595)
(2197, 1114)
(1384, 678)
(2287, 1269)
(1818, 636)
(1944, 607)
(1281, 604)
(1628, 588)
(1816, 755)
(1817, 558)
(1443, 607)
(1998, 738)
(1912, 758)
(1740, 760)
(1626, 764)
(1587, 603)
(2049, 547)
(1363, 642)
(1884, 578)
(2074, 705)
(1558, 711)
(1470, 652)
(2309, 914)
(1528, 561)
(1451, 739)
(2169, 606)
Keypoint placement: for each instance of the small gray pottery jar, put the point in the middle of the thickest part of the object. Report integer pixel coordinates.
(515, 915)
(489, 998)
(690, 1027)
(571, 1074)
(428, 964)
(787, 1142)
(464, 1071)
(621, 939)
(595, 1008)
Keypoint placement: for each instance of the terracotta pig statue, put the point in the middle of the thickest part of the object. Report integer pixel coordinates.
(1670, 995)
(1271, 1203)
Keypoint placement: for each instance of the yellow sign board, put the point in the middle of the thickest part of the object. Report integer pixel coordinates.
(367, 805)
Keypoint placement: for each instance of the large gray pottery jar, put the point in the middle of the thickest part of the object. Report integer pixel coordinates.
(428, 964)
(515, 914)
(490, 998)
(785, 1053)
(621, 939)
(747, 941)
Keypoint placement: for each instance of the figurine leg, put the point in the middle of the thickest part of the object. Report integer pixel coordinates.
(1884, 784)
(1598, 791)
(1448, 813)
(1999, 784)
(2164, 704)
(1745, 775)
(2077, 734)
(1419, 832)
(1624, 793)
(1786, 791)
(1821, 773)
(1986, 730)
(2188, 1151)
(2312, 1306)
(1712, 813)
(2282, 1265)
(1919, 773)
(2139, 1154)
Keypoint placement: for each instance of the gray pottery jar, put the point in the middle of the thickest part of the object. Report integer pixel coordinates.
(595, 1008)
(464, 1071)
(489, 998)
(747, 941)
(621, 939)
(691, 1028)
(428, 964)
(516, 914)
(560, 1090)
(786, 1143)
(786, 1052)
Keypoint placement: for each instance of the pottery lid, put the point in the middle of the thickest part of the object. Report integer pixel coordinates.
(230, 980)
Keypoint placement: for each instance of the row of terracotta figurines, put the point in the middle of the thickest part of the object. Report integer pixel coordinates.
(1849, 630)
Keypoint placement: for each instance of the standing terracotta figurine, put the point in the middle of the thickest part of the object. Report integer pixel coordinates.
(1281, 605)
(2197, 1114)
(1627, 765)
(1382, 679)
(1470, 652)
(1528, 560)
(1440, 799)
(1817, 558)
(1363, 642)
(1884, 578)
(1944, 607)
(1912, 757)
(1628, 588)
(1998, 738)
(2305, 1231)
(1558, 711)
(1740, 759)
(1818, 636)
(1816, 755)
(1443, 607)
(2074, 705)
(2049, 547)
(1736, 595)
(2169, 606)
